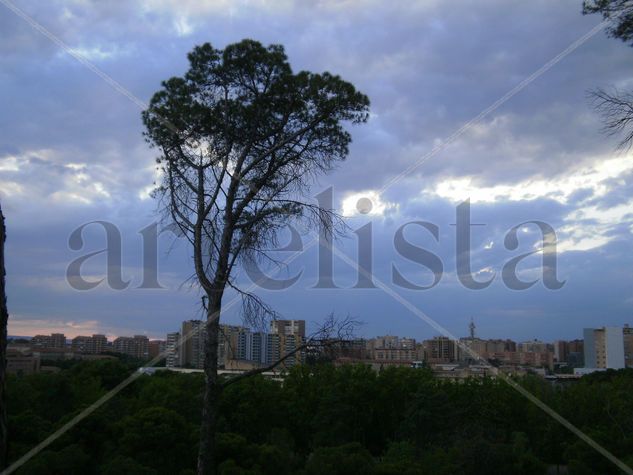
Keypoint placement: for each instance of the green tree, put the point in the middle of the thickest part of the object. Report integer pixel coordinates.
(157, 438)
(348, 459)
(121, 465)
(241, 138)
(71, 460)
(619, 11)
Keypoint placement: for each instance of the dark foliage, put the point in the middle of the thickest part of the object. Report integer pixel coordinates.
(620, 12)
(321, 420)
(615, 107)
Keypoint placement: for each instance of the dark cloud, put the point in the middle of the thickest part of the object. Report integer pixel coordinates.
(71, 151)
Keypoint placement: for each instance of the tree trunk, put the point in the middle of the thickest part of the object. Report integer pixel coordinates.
(207, 451)
(4, 318)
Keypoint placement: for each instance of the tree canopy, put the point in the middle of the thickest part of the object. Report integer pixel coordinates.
(321, 419)
(615, 106)
(241, 137)
(620, 11)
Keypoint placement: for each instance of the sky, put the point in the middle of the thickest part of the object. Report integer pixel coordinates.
(72, 152)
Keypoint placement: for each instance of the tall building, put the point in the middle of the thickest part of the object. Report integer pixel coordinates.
(576, 355)
(265, 348)
(81, 344)
(172, 350)
(499, 346)
(440, 349)
(392, 350)
(54, 340)
(58, 340)
(136, 346)
(244, 344)
(93, 345)
(291, 342)
(291, 335)
(535, 346)
(472, 348)
(192, 338)
(236, 344)
(40, 341)
(604, 347)
(487, 349)
(569, 352)
(141, 347)
(99, 344)
(561, 351)
(273, 348)
(477, 347)
(156, 347)
(288, 327)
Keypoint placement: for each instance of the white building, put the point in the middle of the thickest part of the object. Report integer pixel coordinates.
(604, 347)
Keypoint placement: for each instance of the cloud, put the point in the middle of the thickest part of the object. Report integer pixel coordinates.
(367, 203)
(72, 149)
(23, 326)
(595, 178)
(19, 325)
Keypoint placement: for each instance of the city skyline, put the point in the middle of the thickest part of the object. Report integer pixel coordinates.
(468, 334)
(242, 348)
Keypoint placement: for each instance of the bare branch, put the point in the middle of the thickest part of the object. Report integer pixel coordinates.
(332, 332)
(616, 109)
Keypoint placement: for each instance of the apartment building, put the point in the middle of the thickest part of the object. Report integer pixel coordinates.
(440, 349)
(291, 335)
(192, 337)
(136, 346)
(172, 350)
(54, 340)
(604, 348)
(392, 350)
(236, 344)
(92, 345)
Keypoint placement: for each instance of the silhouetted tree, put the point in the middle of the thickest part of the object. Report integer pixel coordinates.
(4, 319)
(620, 11)
(615, 106)
(241, 139)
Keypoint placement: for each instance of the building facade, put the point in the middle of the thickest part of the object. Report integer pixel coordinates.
(136, 346)
(54, 340)
(604, 347)
(192, 338)
(237, 344)
(172, 350)
(440, 349)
